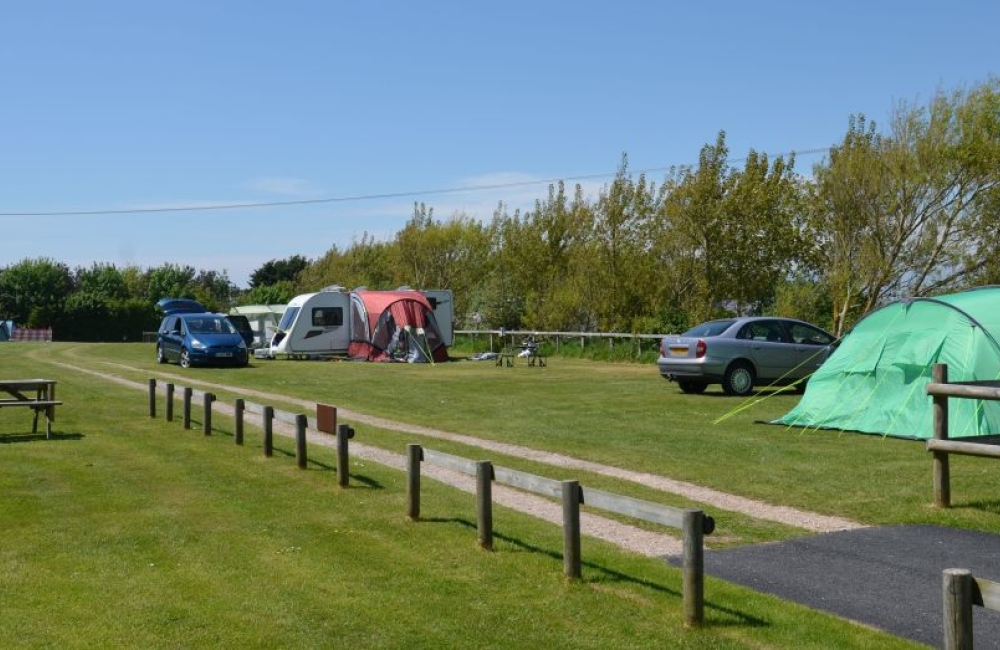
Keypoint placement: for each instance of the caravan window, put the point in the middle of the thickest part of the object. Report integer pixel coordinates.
(328, 316)
(288, 318)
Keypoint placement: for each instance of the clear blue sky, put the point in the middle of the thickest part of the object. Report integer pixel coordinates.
(109, 106)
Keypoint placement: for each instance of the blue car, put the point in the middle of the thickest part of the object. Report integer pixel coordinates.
(191, 337)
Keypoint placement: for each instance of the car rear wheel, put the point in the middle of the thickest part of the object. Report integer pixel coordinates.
(692, 387)
(739, 379)
(185, 359)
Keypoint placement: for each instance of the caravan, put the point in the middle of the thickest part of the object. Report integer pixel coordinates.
(314, 324)
(320, 324)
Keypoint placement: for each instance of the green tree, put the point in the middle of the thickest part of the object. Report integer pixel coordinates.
(621, 281)
(33, 291)
(103, 280)
(275, 271)
(170, 281)
(908, 213)
(366, 262)
(278, 293)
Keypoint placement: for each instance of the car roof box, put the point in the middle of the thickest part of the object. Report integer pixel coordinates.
(171, 306)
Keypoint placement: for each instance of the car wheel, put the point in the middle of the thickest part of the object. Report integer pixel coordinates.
(160, 357)
(739, 379)
(185, 359)
(692, 387)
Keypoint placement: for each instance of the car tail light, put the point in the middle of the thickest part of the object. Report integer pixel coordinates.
(700, 348)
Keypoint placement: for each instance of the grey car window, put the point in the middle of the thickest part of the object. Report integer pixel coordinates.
(711, 328)
(802, 333)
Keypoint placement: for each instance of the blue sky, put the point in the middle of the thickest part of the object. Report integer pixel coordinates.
(118, 106)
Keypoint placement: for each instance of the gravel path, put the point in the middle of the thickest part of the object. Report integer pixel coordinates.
(629, 537)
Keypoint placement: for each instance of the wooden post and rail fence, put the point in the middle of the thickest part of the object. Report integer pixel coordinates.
(325, 422)
(961, 589)
(940, 445)
(693, 523)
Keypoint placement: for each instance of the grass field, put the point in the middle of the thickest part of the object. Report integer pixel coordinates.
(128, 531)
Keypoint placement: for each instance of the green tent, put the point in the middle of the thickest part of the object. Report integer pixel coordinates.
(875, 380)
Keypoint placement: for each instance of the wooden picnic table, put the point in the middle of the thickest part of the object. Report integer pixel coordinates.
(36, 394)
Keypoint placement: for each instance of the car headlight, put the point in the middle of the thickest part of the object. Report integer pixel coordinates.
(242, 345)
(197, 345)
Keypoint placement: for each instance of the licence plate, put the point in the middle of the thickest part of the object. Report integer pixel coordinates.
(679, 351)
(223, 354)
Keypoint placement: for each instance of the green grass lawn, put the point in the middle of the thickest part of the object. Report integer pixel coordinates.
(127, 531)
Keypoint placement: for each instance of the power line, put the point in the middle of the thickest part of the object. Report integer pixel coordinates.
(349, 199)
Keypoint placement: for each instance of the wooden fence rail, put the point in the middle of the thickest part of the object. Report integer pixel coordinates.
(692, 522)
(962, 590)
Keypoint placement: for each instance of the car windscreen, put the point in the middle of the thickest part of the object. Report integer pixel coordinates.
(210, 325)
(711, 328)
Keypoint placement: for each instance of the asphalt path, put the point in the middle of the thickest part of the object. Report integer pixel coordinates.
(885, 577)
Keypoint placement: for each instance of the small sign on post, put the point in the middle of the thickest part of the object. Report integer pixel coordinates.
(326, 418)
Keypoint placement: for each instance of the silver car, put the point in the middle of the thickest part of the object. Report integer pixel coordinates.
(741, 353)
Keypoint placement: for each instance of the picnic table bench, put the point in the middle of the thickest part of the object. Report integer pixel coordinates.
(43, 399)
(528, 350)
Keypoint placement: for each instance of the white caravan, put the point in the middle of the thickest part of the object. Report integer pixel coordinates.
(263, 321)
(319, 324)
(314, 324)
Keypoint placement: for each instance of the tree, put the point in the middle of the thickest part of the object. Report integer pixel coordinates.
(275, 271)
(908, 213)
(620, 240)
(364, 263)
(170, 281)
(431, 254)
(32, 292)
(103, 280)
(727, 237)
(278, 293)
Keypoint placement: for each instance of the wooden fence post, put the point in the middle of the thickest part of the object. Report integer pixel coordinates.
(941, 469)
(268, 418)
(206, 421)
(300, 440)
(571, 528)
(692, 525)
(170, 402)
(187, 407)
(152, 398)
(484, 504)
(414, 454)
(238, 411)
(344, 433)
(957, 609)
